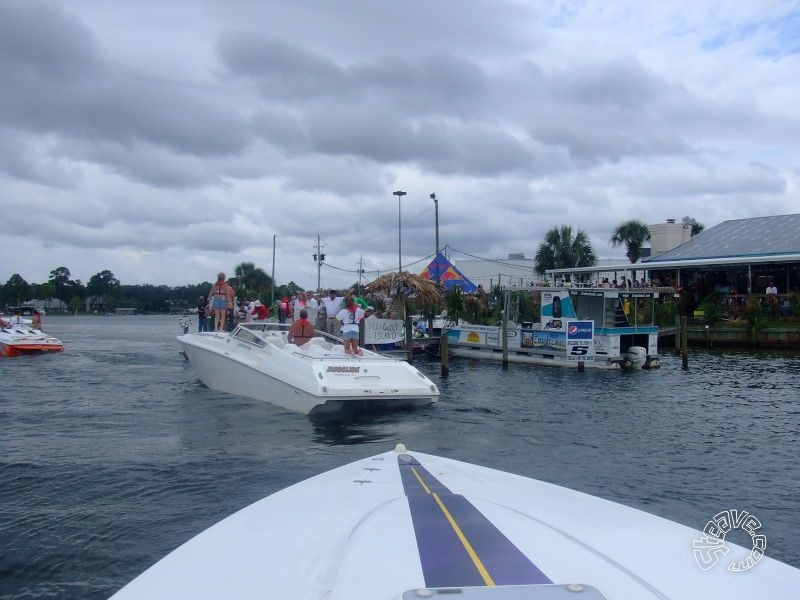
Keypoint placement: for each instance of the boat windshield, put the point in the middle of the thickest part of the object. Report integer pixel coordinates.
(248, 336)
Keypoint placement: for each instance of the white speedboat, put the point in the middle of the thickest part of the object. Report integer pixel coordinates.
(407, 525)
(255, 360)
(17, 339)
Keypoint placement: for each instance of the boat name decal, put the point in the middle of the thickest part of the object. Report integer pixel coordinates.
(343, 369)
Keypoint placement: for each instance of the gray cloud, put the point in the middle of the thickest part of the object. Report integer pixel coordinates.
(163, 140)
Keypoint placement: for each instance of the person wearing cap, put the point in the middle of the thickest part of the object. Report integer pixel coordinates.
(202, 308)
(332, 304)
(260, 312)
(301, 330)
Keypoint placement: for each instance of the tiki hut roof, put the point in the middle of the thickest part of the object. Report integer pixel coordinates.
(388, 285)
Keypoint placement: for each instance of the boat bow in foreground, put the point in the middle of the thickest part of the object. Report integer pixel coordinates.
(412, 525)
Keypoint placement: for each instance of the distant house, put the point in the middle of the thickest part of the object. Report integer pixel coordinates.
(95, 304)
(49, 305)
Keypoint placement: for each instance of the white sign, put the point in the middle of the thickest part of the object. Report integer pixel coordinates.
(383, 331)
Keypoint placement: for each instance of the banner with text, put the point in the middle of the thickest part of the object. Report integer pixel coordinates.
(383, 331)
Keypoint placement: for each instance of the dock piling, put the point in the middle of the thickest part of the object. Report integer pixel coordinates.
(444, 353)
(684, 343)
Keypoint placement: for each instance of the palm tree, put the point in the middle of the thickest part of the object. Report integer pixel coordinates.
(251, 279)
(696, 226)
(633, 234)
(562, 250)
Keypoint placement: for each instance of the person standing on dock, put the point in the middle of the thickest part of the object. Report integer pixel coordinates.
(332, 304)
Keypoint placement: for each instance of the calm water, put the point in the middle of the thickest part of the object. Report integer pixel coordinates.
(113, 453)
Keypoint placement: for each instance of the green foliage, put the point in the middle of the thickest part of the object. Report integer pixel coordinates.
(102, 283)
(690, 222)
(251, 281)
(666, 312)
(712, 308)
(562, 250)
(632, 234)
(794, 303)
(16, 290)
(455, 304)
(754, 314)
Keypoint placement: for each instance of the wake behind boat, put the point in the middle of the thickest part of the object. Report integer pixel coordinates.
(18, 339)
(407, 525)
(256, 360)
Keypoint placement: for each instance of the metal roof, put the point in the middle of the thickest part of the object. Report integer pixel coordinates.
(758, 240)
(761, 239)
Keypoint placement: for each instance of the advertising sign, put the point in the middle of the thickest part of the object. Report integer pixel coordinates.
(580, 340)
(547, 341)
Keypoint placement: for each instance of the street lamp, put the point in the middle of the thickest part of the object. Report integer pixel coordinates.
(436, 256)
(399, 195)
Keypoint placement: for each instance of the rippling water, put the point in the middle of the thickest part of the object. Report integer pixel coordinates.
(113, 453)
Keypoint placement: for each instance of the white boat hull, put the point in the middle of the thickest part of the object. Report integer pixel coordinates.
(21, 339)
(413, 525)
(306, 379)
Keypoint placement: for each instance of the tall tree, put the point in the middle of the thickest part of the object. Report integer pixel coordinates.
(561, 249)
(59, 277)
(102, 283)
(16, 290)
(251, 280)
(691, 222)
(632, 234)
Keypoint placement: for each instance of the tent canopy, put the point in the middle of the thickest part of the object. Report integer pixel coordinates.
(449, 276)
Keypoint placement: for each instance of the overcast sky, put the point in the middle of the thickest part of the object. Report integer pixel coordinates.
(166, 141)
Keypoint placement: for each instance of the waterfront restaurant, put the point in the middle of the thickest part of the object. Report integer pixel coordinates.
(742, 256)
(738, 258)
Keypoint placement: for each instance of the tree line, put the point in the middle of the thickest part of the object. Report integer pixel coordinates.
(562, 248)
(248, 280)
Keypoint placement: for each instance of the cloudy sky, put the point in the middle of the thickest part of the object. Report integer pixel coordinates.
(166, 141)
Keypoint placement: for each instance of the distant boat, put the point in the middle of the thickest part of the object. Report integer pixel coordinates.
(17, 339)
(406, 525)
(603, 328)
(256, 360)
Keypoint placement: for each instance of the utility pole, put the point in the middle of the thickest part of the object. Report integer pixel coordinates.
(319, 265)
(272, 287)
(436, 259)
(360, 272)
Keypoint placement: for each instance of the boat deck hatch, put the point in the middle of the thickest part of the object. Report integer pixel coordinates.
(572, 591)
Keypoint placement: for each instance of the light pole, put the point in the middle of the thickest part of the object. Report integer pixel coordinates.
(399, 195)
(436, 256)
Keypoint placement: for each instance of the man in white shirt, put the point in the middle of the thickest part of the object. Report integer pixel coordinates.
(333, 304)
(771, 289)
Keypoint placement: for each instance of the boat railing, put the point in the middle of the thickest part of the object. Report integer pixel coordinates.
(321, 339)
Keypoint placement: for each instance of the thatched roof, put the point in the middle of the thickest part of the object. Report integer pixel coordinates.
(423, 289)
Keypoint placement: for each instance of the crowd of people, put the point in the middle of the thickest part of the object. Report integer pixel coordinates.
(305, 312)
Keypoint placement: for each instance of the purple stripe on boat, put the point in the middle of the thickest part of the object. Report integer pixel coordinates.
(444, 560)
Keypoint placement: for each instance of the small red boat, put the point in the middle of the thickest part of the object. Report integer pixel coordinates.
(17, 339)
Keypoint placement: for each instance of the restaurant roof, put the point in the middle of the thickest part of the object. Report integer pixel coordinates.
(740, 239)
